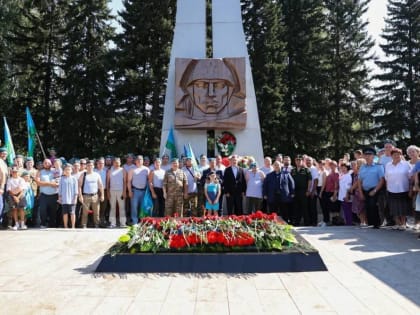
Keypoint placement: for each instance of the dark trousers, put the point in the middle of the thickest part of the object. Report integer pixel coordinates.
(104, 208)
(283, 209)
(48, 209)
(371, 206)
(329, 206)
(234, 204)
(323, 206)
(159, 203)
(300, 207)
(312, 211)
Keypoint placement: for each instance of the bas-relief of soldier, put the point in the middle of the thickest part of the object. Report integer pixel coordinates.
(210, 93)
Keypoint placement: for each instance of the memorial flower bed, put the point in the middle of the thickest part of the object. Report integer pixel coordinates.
(255, 232)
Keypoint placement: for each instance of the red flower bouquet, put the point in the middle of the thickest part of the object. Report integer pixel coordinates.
(255, 232)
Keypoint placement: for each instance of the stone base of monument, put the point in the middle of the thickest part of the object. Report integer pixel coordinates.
(289, 260)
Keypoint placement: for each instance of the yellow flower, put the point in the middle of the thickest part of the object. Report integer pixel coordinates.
(124, 238)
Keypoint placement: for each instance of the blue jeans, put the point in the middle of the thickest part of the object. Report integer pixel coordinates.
(136, 202)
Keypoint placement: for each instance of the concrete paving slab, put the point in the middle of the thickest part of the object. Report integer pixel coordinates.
(369, 272)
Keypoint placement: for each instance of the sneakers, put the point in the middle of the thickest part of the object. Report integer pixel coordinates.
(112, 226)
(15, 227)
(363, 225)
(23, 227)
(322, 224)
(42, 227)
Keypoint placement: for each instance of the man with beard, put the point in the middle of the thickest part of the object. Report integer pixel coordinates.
(48, 188)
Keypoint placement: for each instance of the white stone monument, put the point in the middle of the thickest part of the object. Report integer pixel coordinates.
(228, 42)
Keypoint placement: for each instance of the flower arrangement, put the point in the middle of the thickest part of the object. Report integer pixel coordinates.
(255, 232)
(226, 143)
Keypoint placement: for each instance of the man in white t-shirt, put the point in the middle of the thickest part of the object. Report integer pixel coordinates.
(136, 184)
(91, 193)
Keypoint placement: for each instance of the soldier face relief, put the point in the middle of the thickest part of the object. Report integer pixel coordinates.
(210, 93)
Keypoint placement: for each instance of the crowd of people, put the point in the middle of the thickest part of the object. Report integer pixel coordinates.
(369, 189)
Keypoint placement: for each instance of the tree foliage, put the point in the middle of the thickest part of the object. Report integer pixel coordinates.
(93, 92)
(396, 108)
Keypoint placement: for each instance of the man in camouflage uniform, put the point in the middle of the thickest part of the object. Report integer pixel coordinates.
(175, 188)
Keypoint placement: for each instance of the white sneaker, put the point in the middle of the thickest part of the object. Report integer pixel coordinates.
(363, 225)
(322, 224)
(16, 227)
(23, 227)
(416, 227)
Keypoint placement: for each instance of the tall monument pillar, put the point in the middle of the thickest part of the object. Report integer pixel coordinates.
(227, 80)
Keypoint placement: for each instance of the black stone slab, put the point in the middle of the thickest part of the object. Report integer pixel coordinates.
(290, 260)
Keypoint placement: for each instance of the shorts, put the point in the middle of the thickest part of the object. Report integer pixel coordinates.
(21, 204)
(68, 209)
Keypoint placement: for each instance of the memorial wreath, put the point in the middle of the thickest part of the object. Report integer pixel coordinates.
(254, 232)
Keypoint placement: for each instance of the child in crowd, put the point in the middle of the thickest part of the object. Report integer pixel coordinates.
(15, 187)
(67, 196)
(212, 191)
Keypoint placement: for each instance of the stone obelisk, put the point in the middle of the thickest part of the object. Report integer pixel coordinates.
(233, 90)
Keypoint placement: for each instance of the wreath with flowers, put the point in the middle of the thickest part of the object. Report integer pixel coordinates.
(226, 143)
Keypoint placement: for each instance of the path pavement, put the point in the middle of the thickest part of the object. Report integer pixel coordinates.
(51, 272)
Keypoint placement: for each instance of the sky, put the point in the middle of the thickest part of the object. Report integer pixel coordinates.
(375, 16)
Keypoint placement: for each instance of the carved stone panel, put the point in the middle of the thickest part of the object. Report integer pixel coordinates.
(210, 93)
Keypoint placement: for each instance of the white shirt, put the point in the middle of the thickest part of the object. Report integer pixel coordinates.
(254, 184)
(397, 177)
(220, 167)
(266, 170)
(139, 177)
(91, 185)
(158, 176)
(192, 183)
(314, 174)
(15, 184)
(234, 171)
(102, 173)
(344, 184)
(116, 179)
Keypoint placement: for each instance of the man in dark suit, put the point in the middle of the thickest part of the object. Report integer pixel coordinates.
(234, 186)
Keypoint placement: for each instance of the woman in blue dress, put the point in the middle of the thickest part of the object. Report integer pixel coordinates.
(212, 191)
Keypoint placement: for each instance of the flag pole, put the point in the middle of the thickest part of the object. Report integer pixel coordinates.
(40, 144)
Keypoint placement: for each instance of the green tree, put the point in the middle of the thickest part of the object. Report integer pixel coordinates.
(141, 58)
(348, 50)
(85, 110)
(305, 77)
(396, 108)
(264, 33)
(7, 13)
(35, 39)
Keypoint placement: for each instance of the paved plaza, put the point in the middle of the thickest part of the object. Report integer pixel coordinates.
(52, 272)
